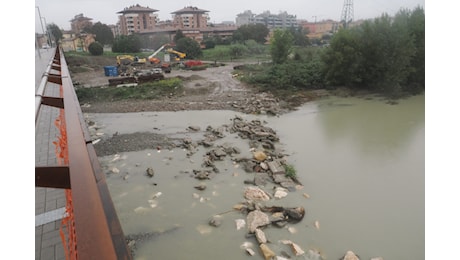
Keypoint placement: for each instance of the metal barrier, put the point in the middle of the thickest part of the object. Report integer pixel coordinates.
(93, 228)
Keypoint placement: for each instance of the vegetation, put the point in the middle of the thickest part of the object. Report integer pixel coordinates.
(384, 55)
(96, 49)
(190, 47)
(280, 45)
(150, 90)
(126, 44)
(103, 33)
(249, 50)
(290, 171)
(55, 31)
(256, 32)
(381, 55)
(179, 35)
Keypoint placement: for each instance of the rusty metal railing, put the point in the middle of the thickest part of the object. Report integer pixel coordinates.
(96, 230)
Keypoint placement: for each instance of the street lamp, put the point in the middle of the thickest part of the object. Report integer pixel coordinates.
(39, 15)
(47, 33)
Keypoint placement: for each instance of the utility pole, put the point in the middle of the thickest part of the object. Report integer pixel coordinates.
(347, 13)
(40, 16)
(48, 35)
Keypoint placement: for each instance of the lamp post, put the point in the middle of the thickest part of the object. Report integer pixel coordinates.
(48, 35)
(40, 16)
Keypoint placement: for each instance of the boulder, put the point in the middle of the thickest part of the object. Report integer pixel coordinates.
(255, 219)
(349, 255)
(260, 236)
(267, 252)
(260, 156)
(256, 194)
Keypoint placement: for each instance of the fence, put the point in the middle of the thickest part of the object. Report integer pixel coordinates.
(90, 229)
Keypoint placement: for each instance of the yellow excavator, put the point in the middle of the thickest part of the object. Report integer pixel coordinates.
(130, 60)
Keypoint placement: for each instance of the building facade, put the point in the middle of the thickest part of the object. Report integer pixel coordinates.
(79, 22)
(281, 20)
(190, 17)
(137, 19)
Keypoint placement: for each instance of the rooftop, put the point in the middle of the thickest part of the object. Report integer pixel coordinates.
(137, 9)
(189, 9)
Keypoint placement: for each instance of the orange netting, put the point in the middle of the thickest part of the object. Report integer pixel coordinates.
(67, 230)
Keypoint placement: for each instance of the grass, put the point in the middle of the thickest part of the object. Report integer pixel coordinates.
(290, 171)
(150, 90)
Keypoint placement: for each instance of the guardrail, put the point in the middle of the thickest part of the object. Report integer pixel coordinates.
(91, 229)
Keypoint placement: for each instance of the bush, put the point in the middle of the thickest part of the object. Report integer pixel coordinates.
(96, 49)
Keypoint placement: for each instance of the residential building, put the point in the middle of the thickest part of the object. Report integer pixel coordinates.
(281, 20)
(79, 22)
(137, 19)
(76, 41)
(190, 17)
(318, 29)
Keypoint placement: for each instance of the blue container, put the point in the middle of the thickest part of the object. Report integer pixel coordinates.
(111, 71)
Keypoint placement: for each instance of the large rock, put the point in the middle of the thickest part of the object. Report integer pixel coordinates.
(256, 194)
(260, 156)
(260, 236)
(255, 219)
(267, 252)
(349, 255)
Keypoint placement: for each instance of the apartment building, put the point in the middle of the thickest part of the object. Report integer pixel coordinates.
(190, 17)
(281, 20)
(137, 19)
(79, 22)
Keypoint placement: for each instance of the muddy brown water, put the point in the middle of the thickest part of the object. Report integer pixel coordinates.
(361, 163)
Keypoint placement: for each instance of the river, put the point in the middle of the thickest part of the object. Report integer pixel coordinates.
(361, 162)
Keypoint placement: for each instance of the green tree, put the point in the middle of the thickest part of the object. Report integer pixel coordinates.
(237, 50)
(126, 43)
(416, 25)
(55, 32)
(257, 32)
(209, 42)
(280, 45)
(342, 59)
(190, 47)
(384, 54)
(96, 49)
(300, 36)
(179, 35)
(103, 33)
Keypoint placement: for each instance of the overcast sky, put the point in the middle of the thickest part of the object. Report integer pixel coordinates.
(61, 12)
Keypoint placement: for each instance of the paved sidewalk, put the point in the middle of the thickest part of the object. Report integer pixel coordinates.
(49, 203)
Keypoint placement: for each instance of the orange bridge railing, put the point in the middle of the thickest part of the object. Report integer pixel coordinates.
(90, 228)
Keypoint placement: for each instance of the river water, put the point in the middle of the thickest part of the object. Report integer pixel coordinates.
(361, 162)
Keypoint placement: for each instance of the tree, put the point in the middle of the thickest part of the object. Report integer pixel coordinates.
(190, 47)
(416, 25)
(299, 35)
(384, 54)
(209, 42)
(280, 45)
(257, 32)
(55, 32)
(96, 49)
(103, 33)
(126, 43)
(179, 35)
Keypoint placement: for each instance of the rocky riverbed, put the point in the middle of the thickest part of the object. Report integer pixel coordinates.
(269, 178)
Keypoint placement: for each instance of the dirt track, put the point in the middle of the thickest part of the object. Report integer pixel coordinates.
(212, 89)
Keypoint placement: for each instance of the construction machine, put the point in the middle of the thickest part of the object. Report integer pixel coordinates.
(178, 55)
(152, 59)
(130, 60)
